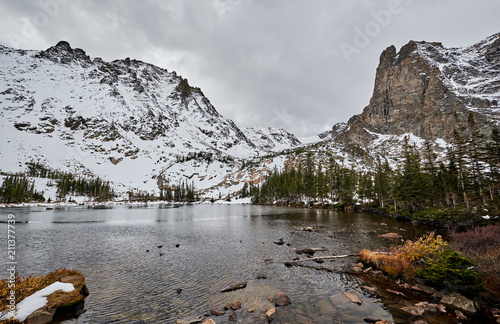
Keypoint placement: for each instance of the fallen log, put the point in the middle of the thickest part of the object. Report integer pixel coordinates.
(293, 263)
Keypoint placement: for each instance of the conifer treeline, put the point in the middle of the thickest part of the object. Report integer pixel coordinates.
(469, 176)
(183, 191)
(95, 188)
(17, 188)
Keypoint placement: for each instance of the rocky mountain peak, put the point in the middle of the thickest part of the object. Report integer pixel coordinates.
(64, 54)
(63, 46)
(429, 90)
(88, 116)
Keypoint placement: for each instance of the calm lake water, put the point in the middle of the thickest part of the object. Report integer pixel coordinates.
(218, 245)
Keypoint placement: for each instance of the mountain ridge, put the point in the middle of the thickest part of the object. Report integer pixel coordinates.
(62, 108)
(431, 91)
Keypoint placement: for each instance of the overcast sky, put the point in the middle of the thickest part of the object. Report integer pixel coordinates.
(293, 64)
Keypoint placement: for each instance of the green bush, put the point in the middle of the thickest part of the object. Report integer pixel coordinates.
(449, 269)
(441, 214)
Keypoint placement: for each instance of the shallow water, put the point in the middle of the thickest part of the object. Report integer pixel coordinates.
(218, 245)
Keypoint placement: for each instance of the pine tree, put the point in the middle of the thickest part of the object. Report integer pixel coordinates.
(493, 161)
(365, 187)
(309, 186)
(383, 184)
(412, 185)
(461, 167)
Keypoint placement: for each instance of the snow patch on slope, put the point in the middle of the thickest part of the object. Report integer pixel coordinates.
(472, 73)
(271, 139)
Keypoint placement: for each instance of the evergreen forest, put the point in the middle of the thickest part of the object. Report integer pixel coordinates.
(466, 179)
(18, 188)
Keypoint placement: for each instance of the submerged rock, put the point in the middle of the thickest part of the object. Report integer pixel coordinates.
(190, 320)
(209, 321)
(234, 305)
(279, 242)
(352, 297)
(235, 286)
(340, 300)
(233, 317)
(215, 312)
(281, 299)
(271, 314)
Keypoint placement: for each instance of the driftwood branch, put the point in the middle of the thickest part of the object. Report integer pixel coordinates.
(293, 263)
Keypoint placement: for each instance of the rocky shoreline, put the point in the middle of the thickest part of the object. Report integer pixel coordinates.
(422, 304)
(428, 223)
(59, 304)
(406, 302)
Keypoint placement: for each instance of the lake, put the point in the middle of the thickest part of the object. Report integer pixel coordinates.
(204, 248)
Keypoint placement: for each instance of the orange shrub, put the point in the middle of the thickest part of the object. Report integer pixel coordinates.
(405, 260)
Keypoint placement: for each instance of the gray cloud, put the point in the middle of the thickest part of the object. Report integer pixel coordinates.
(298, 65)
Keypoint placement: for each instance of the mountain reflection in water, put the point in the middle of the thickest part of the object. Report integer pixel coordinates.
(204, 248)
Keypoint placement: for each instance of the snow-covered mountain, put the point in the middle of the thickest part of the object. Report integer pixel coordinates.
(471, 73)
(140, 126)
(271, 139)
(430, 91)
(126, 121)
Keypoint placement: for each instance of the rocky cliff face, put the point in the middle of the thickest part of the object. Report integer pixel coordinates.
(429, 90)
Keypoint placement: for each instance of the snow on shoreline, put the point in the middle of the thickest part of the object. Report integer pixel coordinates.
(242, 201)
(36, 301)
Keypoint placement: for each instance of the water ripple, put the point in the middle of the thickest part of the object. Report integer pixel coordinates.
(203, 248)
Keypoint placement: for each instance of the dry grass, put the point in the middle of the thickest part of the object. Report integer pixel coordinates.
(68, 299)
(26, 286)
(482, 244)
(476, 241)
(405, 260)
(390, 263)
